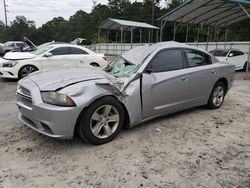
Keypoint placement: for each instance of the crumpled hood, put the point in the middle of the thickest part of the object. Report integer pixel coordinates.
(19, 55)
(51, 80)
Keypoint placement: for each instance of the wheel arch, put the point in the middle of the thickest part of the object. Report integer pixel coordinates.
(25, 66)
(224, 81)
(126, 114)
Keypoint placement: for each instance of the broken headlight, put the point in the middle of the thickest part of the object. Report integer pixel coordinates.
(58, 99)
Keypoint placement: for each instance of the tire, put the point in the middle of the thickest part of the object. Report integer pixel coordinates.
(94, 64)
(95, 124)
(217, 96)
(245, 67)
(26, 70)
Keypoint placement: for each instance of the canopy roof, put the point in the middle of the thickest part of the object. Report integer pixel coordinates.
(117, 24)
(210, 12)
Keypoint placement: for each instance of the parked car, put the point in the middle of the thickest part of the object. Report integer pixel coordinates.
(142, 84)
(232, 56)
(12, 46)
(49, 56)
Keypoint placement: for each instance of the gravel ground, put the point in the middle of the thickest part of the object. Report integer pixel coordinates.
(194, 148)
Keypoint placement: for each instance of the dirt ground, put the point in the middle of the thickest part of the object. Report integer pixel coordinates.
(194, 148)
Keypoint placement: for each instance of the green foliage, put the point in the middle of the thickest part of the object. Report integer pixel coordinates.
(84, 25)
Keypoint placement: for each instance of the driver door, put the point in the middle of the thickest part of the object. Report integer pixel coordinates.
(164, 83)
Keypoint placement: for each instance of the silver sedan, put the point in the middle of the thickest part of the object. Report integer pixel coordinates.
(144, 83)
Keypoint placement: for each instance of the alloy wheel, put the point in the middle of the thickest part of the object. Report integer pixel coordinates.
(104, 121)
(218, 96)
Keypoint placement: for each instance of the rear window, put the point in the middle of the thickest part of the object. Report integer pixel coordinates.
(220, 53)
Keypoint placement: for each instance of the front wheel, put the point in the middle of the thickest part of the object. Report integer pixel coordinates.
(101, 121)
(217, 96)
(26, 70)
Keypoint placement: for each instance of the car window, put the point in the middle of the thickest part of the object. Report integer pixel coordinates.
(20, 44)
(167, 60)
(220, 53)
(196, 58)
(76, 51)
(60, 51)
(236, 53)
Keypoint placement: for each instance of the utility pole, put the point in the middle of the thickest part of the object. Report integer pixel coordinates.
(153, 15)
(5, 13)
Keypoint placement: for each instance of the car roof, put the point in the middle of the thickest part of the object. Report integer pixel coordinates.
(138, 54)
(227, 49)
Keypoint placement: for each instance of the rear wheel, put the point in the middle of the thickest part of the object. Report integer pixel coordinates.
(217, 96)
(26, 70)
(101, 121)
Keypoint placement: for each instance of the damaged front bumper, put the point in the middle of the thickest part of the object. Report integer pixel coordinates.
(50, 120)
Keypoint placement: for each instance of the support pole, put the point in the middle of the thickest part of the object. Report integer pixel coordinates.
(208, 33)
(149, 35)
(140, 34)
(217, 36)
(121, 35)
(225, 42)
(116, 36)
(162, 27)
(5, 13)
(248, 61)
(157, 36)
(98, 35)
(198, 35)
(107, 40)
(131, 38)
(174, 31)
(187, 33)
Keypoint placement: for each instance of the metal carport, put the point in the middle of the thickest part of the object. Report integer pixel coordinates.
(124, 25)
(210, 13)
(216, 13)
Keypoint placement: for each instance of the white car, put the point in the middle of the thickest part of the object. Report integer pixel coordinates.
(233, 56)
(18, 65)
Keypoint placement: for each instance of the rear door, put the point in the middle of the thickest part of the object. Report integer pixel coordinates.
(201, 74)
(78, 55)
(164, 85)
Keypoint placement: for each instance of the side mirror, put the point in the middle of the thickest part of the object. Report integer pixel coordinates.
(231, 55)
(48, 54)
(149, 70)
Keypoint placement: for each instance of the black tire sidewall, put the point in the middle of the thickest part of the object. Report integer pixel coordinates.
(84, 129)
(210, 101)
(20, 70)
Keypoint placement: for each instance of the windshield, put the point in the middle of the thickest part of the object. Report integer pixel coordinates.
(41, 49)
(220, 53)
(121, 68)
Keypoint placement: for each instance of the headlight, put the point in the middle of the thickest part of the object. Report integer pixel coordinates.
(57, 99)
(10, 63)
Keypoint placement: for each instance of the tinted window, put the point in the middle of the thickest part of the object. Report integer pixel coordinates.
(220, 53)
(167, 60)
(197, 58)
(76, 51)
(60, 51)
(236, 53)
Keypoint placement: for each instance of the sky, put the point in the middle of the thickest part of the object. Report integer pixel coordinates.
(42, 11)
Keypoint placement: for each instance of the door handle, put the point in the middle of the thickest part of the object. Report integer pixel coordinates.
(184, 79)
(213, 71)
